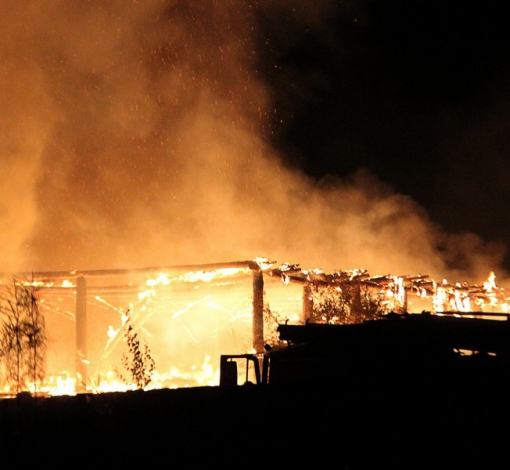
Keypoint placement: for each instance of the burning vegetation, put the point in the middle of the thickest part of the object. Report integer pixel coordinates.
(164, 327)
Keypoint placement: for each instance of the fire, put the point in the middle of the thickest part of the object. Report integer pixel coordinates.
(490, 284)
(189, 317)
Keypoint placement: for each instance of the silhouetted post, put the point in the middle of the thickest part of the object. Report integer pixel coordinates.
(258, 308)
(307, 311)
(81, 333)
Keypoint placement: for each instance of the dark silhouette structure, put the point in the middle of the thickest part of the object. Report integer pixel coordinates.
(406, 391)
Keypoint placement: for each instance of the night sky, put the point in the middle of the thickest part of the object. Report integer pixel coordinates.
(334, 135)
(416, 92)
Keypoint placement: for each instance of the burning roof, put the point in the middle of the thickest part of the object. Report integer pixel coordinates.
(446, 296)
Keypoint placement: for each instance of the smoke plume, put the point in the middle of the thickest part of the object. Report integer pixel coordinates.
(138, 134)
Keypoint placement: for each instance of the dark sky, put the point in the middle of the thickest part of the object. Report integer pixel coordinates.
(417, 92)
(330, 134)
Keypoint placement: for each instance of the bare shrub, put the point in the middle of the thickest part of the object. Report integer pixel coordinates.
(345, 303)
(138, 362)
(23, 337)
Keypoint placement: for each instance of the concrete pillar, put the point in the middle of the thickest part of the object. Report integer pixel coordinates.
(81, 334)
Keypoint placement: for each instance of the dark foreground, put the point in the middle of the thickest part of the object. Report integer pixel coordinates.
(448, 424)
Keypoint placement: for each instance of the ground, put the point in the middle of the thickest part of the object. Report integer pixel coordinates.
(441, 425)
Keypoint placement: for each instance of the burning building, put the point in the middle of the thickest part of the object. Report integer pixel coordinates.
(191, 314)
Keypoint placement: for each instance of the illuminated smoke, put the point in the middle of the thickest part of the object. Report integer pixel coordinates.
(137, 134)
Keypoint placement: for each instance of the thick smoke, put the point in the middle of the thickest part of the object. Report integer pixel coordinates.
(136, 134)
